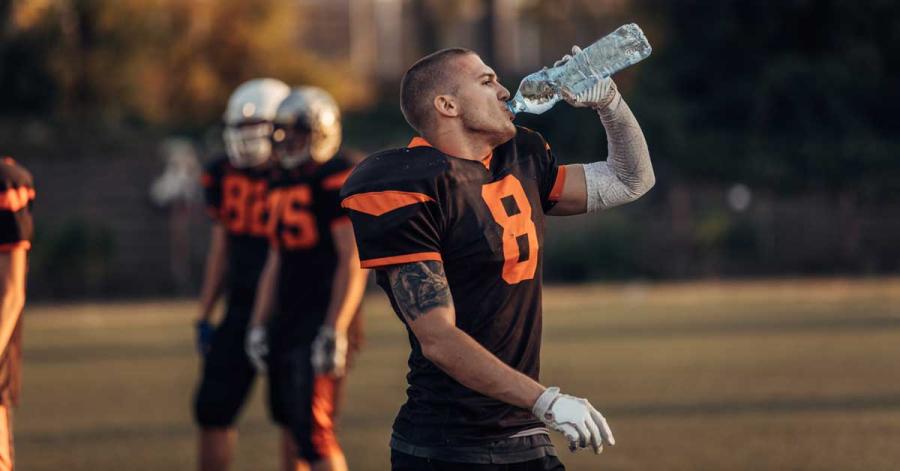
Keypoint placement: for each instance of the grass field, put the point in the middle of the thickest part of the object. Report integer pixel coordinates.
(719, 376)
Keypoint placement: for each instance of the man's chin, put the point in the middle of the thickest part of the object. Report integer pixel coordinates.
(509, 131)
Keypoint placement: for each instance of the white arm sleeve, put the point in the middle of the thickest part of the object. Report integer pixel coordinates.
(627, 173)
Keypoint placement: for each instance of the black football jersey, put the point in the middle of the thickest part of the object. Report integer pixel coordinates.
(484, 221)
(237, 199)
(304, 204)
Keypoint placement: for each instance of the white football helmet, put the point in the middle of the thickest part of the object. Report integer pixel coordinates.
(307, 125)
(248, 121)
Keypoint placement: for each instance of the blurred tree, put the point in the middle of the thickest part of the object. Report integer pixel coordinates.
(791, 95)
(167, 61)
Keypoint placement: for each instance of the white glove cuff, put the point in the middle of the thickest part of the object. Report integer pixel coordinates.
(544, 402)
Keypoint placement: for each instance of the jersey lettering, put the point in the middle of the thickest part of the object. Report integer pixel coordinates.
(511, 210)
(244, 205)
(298, 225)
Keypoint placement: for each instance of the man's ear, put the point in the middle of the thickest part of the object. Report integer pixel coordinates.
(446, 106)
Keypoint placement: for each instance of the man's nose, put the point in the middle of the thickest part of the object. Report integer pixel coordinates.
(504, 94)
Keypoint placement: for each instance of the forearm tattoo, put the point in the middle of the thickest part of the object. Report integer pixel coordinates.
(419, 287)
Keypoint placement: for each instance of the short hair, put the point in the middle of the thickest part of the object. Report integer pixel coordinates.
(422, 81)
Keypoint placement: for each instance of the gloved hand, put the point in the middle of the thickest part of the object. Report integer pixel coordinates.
(329, 352)
(596, 97)
(576, 418)
(256, 344)
(204, 331)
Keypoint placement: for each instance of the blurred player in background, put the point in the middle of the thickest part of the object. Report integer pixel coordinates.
(16, 230)
(312, 283)
(236, 188)
(454, 224)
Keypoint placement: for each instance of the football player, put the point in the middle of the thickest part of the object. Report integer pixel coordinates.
(236, 188)
(16, 230)
(453, 223)
(312, 282)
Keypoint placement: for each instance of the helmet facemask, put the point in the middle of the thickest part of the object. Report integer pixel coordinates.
(248, 121)
(307, 127)
(248, 144)
(291, 145)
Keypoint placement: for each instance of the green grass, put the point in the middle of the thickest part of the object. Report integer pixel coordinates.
(724, 376)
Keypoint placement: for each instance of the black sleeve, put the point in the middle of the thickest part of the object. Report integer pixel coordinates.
(395, 226)
(551, 175)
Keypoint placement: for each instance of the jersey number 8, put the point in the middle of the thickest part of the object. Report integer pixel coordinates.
(510, 208)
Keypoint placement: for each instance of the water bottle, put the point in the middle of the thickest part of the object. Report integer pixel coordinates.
(539, 91)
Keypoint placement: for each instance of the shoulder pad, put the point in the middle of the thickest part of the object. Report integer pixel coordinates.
(406, 170)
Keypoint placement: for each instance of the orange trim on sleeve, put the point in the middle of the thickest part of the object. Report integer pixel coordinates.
(377, 203)
(14, 199)
(336, 181)
(12, 246)
(398, 259)
(556, 191)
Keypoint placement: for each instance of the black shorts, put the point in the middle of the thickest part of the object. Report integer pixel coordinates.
(403, 462)
(227, 372)
(304, 403)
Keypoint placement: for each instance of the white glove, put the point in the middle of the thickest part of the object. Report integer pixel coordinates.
(256, 344)
(329, 352)
(575, 417)
(596, 97)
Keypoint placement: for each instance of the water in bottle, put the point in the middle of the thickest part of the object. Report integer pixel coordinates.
(539, 91)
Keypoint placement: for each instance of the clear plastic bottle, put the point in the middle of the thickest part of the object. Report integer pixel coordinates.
(538, 92)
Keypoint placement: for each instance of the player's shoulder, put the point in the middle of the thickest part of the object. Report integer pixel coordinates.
(341, 162)
(530, 140)
(415, 170)
(13, 174)
(218, 165)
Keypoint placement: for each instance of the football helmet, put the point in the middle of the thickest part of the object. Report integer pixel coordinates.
(248, 121)
(307, 126)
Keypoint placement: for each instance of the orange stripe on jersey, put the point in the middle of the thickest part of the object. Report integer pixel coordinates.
(15, 199)
(22, 244)
(398, 259)
(556, 191)
(336, 181)
(377, 203)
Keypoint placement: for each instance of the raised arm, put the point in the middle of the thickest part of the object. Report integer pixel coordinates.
(423, 297)
(625, 175)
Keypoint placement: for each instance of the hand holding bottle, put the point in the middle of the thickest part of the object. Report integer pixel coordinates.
(596, 97)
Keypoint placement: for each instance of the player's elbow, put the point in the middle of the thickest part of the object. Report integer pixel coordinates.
(437, 347)
(13, 300)
(645, 183)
